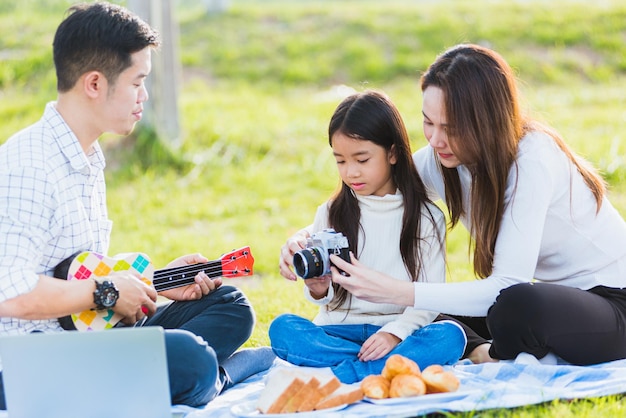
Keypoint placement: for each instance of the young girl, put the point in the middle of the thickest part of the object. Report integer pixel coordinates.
(550, 247)
(390, 223)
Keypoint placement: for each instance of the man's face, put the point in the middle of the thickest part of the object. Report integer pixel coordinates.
(123, 103)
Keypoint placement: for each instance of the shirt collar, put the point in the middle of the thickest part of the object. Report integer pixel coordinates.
(69, 145)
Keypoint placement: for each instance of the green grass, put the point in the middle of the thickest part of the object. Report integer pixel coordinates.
(260, 84)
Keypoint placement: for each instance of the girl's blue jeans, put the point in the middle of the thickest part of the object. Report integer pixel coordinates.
(299, 341)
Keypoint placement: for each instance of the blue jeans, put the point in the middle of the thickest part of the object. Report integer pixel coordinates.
(300, 342)
(223, 320)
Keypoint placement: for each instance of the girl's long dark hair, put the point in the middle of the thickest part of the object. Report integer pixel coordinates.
(371, 116)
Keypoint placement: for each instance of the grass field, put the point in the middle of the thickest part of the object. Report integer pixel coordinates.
(260, 82)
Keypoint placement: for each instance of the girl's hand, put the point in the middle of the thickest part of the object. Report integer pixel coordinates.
(294, 244)
(318, 286)
(378, 346)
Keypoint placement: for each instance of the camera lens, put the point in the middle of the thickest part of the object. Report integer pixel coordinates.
(308, 263)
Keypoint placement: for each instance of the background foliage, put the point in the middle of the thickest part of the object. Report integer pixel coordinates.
(260, 82)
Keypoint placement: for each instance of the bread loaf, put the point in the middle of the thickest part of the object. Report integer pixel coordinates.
(406, 385)
(284, 383)
(397, 364)
(344, 395)
(401, 377)
(328, 385)
(438, 380)
(375, 386)
(289, 390)
(295, 402)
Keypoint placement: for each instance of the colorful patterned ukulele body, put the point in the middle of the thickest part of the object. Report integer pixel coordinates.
(89, 264)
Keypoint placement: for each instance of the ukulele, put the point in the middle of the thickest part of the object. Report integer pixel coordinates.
(89, 264)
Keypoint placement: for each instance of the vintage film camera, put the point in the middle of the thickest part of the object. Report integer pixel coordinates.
(314, 260)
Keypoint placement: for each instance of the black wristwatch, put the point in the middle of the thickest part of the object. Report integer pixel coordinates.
(106, 294)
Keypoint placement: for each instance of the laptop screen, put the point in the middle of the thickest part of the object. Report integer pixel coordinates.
(121, 372)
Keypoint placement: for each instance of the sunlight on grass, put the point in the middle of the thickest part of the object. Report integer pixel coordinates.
(260, 84)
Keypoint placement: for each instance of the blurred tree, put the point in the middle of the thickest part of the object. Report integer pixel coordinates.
(161, 111)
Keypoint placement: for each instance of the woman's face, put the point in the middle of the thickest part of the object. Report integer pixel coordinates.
(436, 127)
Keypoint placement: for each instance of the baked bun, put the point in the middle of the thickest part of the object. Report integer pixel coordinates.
(397, 364)
(375, 386)
(405, 385)
(438, 380)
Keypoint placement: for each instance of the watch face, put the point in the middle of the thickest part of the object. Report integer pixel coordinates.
(109, 297)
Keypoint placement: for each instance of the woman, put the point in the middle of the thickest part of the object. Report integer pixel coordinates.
(548, 245)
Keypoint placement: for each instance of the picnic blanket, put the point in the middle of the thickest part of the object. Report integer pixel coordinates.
(507, 384)
(524, 381)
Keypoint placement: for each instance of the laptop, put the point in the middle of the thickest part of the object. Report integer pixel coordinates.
(120, 373)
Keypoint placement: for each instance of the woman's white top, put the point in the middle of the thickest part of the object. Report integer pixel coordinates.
(550, 230)
(379, 248)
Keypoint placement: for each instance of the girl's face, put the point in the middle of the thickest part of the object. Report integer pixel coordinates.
(436, 127)
(364, 166)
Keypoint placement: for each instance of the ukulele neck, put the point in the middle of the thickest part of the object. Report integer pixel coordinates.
(171, 278)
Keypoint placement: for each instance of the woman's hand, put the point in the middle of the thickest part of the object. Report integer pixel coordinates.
(294, 244)
(203, 283)
(373, 286)
(378, 346)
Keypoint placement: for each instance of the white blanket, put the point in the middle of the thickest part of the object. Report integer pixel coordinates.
(524, 381)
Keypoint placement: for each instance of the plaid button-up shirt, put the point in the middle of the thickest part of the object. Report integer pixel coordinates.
(52, 204)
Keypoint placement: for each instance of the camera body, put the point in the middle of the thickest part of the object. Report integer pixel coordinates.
(314, 260)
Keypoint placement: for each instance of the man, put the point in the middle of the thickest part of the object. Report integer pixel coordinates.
(52, 205)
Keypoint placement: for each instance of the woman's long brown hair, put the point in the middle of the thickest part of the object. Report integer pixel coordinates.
(371, 116)
(485, 126)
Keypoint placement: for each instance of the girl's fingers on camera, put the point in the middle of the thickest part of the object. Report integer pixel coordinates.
(285, 270)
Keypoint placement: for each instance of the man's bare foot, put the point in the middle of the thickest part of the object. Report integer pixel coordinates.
(481, 354)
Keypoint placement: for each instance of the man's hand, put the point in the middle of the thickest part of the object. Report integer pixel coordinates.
(203, 283)
(136, 299)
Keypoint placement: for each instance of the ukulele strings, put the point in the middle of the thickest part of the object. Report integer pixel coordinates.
(210, 267)
(163, 278)
(172, 284)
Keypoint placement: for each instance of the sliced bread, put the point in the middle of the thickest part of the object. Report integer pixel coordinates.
(328, 384)
(345, 394)
(281, 385)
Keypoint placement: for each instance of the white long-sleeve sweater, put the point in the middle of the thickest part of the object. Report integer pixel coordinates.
(381, 219)
(550, 230)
